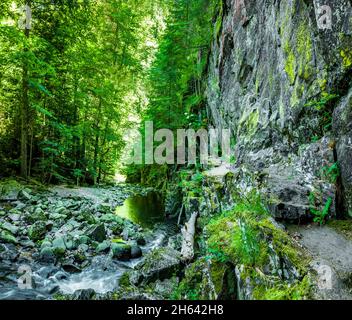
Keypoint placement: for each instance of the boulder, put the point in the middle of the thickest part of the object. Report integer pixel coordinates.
(37, 215)
(59, 246)
(24, 195)
(6, 236)
(45, 244)
(140, 240)
(37, 231)
(83, 240)
(104, 207)
(84, 294)
(103, 247)
(121, 251)
(14, 217)
(9, 227)
(47, 255)
(57, 216)
(136, 252)
(97, 232)
(160, 264)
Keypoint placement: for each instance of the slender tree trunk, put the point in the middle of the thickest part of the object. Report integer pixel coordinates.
(25, 109)
(96, 143)
(102, 146)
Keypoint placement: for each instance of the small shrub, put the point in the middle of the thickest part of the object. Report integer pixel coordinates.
(319, 215)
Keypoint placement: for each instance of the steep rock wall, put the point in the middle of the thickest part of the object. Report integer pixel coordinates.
(284, 88)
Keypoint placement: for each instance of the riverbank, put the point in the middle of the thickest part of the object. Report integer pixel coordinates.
(61, 241)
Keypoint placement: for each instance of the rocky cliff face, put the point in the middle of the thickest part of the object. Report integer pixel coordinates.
(282, 82)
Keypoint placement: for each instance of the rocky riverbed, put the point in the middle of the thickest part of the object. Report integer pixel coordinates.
(70, 243)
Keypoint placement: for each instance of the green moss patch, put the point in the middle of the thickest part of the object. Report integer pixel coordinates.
(342, 226)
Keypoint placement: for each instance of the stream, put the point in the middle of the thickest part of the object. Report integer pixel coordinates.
(134, 218)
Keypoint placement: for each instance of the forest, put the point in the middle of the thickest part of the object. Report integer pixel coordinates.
(261, 206)
(85, 71)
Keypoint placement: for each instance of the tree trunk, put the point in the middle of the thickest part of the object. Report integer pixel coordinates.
(25, 109)
(96, 143)
(188, 231)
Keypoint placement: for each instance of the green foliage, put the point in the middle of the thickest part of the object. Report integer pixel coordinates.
(191, 184)
(176, 77)
(319, 214)
(331, 173)
(283, 291)
(246, 237)
(325, 108)
(318, 208)
(247, 244)
(83, 69)
(342, 226)
(235, 236)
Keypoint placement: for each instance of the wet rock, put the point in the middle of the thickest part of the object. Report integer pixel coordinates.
(8, 195)
(71, 243)
(62, 211)
(159, 264)
(83, 247)
(48, 271)
(71, 268)
(97, 233)
(104, 207)
(80, 254)
(85, 294)
(47, 255)
(136, 252)
(166, 287)
(14, 217)
(57, 216)
(27, 244)
(111, 218)
(9, 227)
(121, 251)
(37, 231)
(59, 247)
(86, 216)
(116, 228)
(342, 128)
(7, 237)
(49, 225)
(24, 195)
(245, 287)
(36, 215)
(103, 247)
(45, 244)
(61, 276)
(84, 240)
(175, 242)
(140, 240)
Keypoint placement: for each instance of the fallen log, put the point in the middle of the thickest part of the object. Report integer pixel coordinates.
(188, 232)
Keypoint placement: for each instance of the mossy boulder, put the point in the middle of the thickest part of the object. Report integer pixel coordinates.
(47, 255)
(97, 232)
(159, 264)
(37, 231)
(121, 251)
(103, 247)
(6, 236)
